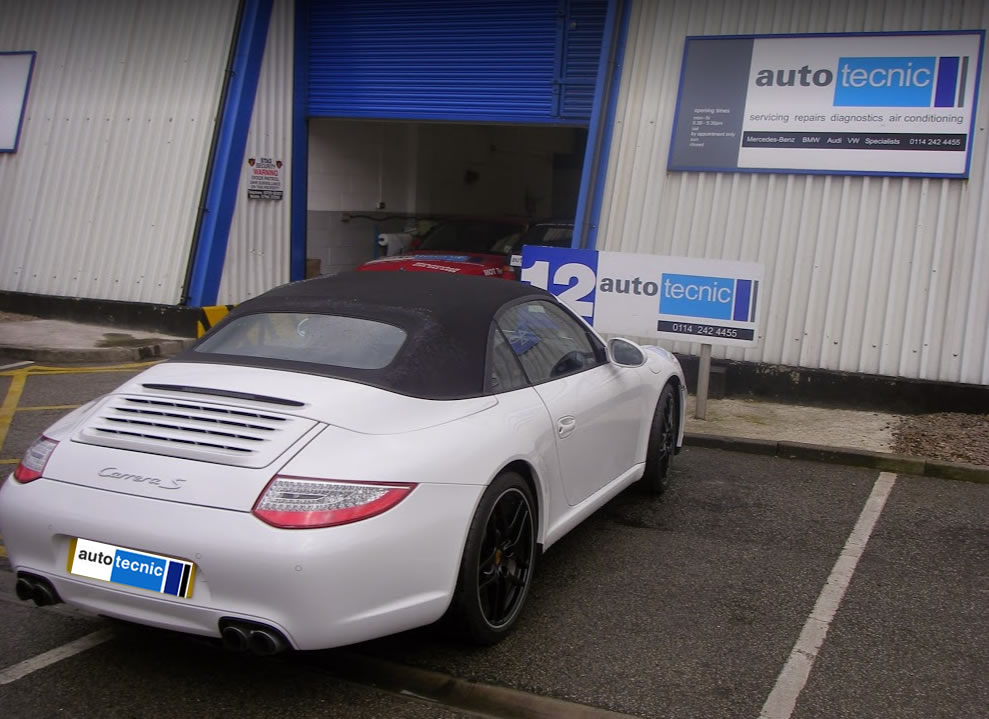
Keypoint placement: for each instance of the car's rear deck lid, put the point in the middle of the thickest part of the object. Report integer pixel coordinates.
(193, 429)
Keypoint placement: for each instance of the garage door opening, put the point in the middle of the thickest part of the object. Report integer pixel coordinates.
(367, 178)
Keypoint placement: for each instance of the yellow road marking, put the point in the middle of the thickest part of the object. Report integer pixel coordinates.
(99, 368)
(9, 461)
(18, 377)
(9, 405)
(3, 551)
(47, 370)
(53, 373)
(87, 370)
(43, 371)
(48, 408)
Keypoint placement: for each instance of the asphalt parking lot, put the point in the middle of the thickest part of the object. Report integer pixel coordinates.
(757, 587)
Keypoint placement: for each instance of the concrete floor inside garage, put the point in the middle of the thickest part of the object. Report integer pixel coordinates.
(368, 177)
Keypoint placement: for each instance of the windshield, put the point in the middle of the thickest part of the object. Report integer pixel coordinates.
(336, 340)
(472, 236)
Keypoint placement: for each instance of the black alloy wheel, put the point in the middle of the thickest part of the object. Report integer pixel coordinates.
(662, 443)
(498, 562)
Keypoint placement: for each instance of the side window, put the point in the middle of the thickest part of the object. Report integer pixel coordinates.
(549, 342)
(504, 372)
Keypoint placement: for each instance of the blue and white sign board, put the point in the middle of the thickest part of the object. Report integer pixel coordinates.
(679, 298)
(862, 103)
(15, 78)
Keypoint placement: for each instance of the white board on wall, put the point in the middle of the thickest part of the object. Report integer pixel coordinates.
(15, 79)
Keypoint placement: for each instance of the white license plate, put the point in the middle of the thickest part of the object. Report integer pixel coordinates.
(130, 567)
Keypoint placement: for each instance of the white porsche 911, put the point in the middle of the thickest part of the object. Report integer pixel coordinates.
(341, 459)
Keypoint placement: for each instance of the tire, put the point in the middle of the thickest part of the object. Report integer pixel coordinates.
(498, 562)
(662, 443)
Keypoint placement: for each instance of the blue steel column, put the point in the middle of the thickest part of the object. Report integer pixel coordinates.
(596, 154)
(300, 143)
(228, 156)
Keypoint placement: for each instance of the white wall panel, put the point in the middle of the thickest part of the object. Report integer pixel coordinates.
(100, 199)
(258, 250)
(880, 275)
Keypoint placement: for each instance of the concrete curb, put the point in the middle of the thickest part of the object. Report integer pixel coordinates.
(449, 691)
(154, 349)
(882, 461)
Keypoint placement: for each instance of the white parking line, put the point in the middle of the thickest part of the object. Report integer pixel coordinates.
(793, 677)
(15, 365)
(22, 669)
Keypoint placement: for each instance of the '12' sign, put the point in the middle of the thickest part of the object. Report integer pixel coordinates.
(569, 274)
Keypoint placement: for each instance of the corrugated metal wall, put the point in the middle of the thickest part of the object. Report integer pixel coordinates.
(886, 276)
(100, 199)
(257, 256)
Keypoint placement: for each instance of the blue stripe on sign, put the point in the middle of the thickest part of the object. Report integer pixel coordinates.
(743, 290)
(184, 585)
(947, 80)
(174, 578)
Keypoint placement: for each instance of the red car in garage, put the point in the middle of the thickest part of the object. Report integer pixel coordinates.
(461, 246)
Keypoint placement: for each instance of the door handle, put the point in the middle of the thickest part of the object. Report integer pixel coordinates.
(566, 426)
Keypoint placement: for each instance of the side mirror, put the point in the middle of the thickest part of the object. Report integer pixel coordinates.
(625, 353)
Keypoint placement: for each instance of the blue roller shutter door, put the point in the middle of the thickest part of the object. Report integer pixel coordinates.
(582, 33)
(523, 61)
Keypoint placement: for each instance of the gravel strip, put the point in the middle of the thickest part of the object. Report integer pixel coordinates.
(948, 436)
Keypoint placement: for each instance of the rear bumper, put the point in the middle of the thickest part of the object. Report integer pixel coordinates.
(319, 587)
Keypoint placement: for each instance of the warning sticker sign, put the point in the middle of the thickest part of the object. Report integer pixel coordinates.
(264, 181)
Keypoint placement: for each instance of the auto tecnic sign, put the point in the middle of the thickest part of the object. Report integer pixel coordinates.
(886, 103)
(679, 298)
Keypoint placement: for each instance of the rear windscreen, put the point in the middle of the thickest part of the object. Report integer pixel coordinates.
(336, 340)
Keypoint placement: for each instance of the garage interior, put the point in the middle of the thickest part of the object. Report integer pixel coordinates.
(367, 178)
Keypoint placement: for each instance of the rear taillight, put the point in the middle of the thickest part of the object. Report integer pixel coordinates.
(508, 272)
(305, 503)
(35, 459)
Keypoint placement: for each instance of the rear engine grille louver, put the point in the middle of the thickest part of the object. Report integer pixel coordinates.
(200, 425)
(194, 430)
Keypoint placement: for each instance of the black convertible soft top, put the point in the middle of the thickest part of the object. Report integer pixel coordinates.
(447, 319)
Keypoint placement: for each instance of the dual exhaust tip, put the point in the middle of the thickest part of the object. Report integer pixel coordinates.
(237, 635)
(39, 590)
(258, 639)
